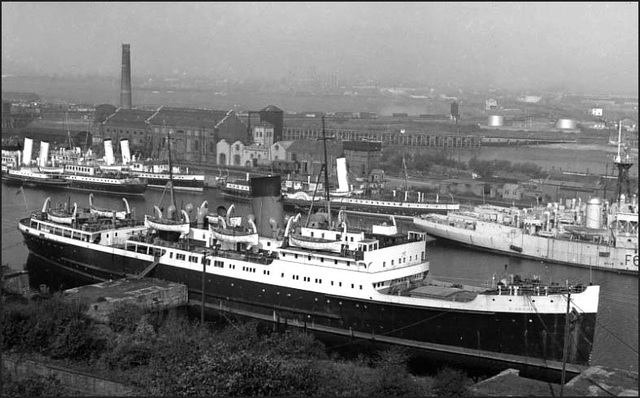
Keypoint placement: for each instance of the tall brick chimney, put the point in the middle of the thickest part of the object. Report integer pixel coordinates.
(125, 78)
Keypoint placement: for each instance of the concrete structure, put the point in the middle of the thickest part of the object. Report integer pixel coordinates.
(149, 294)
(125, 78)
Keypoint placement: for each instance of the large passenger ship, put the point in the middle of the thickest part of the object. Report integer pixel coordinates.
(324, 276)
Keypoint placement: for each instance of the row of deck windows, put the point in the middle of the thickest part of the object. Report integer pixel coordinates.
(348, 263)
(220, 264)
(67, 233)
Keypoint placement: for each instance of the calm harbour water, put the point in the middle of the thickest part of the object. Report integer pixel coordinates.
(616, 340)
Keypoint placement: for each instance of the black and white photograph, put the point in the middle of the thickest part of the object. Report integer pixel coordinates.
(319, 199)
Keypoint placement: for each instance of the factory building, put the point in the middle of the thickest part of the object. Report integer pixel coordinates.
(194, 132)
(310, 156)
(414, 139)
(128, 124)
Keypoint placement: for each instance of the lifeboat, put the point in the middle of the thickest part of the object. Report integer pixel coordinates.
(224, 233)
(313, 243)
(120, 215)
(163, 224)
(60, 216)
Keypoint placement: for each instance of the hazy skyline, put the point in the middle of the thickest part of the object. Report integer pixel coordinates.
(590, 47)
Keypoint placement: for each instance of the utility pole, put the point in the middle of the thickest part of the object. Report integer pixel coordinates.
(564, 346)
(202, 296)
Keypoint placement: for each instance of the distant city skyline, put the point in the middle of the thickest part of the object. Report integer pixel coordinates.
(576, 47)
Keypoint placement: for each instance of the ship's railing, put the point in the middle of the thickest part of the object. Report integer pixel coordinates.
(102, 224)
(534, 289)
(259, 258)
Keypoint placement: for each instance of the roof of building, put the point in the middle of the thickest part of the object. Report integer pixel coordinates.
(183, 117)
(510, 186)
(284, 144)
(271, 108)
(128, 117)
(262, 124)
(314, 147)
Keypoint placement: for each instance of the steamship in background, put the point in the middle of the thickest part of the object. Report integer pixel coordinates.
(75, 173)
(155, 173)
(18, 168)
(345, 197)
(595, 235)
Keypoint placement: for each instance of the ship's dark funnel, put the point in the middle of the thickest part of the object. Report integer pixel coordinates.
(266, 201)
(125, 78)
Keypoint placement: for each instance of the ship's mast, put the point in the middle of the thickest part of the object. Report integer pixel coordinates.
(326, 172)
(623, 163)
(173, 199)
(406, 176)
(66, 120)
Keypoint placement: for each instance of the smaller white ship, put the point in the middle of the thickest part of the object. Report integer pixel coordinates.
(595, 234)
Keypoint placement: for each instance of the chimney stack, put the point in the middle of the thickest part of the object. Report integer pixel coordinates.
(125, 78)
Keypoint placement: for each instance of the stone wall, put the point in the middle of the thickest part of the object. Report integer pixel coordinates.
(69, 379)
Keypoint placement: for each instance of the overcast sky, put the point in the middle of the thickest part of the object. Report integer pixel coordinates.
(589, 46)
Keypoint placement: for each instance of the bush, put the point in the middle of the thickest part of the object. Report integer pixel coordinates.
(450, 383)
(128, 353)
(393, 378)
(294, 344)
(124, 317)
(77, 341)
(14, 327)
(34, 386)
(33, 327)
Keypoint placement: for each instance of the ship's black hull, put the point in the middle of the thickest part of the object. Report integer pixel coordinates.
(36, 183)
(235, 196)
(180, 185)
(115, 189)
(527, 335)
